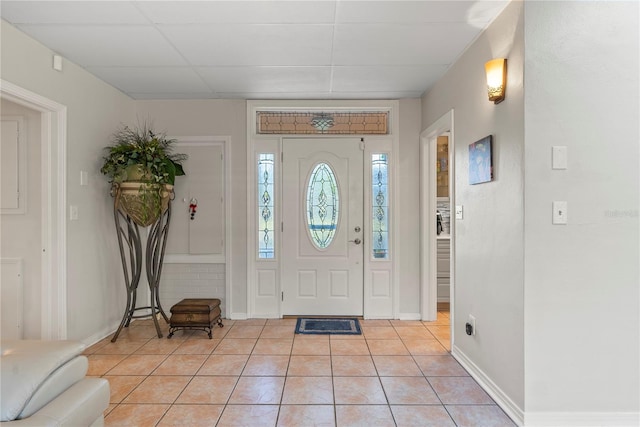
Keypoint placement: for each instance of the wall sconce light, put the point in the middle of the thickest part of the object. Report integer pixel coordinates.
(496, 79)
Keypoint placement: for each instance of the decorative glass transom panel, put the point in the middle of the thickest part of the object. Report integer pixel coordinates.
(266, 246)
(323, 204)
(380, 205)
(323, 122)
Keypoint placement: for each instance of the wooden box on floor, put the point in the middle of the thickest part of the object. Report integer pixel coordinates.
(195, 313)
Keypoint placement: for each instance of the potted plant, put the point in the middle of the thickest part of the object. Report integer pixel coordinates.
(141, 167)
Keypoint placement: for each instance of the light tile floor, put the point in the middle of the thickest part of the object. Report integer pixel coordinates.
(259, 373)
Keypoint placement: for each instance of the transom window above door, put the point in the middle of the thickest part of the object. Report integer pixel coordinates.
(322, 122)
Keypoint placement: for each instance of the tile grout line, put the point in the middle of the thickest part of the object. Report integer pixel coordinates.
(285, 380)
(241, 371)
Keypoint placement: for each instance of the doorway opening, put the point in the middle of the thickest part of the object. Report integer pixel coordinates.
(438, 224)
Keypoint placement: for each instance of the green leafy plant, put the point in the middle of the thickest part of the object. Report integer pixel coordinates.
(140, 154)
(141, 167)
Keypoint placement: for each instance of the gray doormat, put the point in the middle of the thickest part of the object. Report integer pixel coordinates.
(341, 326)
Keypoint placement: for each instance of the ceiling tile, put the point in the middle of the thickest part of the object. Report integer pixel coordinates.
(485, 11)
(273, 95)
(376, 95)
(107, 45)
(152, 79)
(267, 79)
(418, 11)
(390, 44)
(71, 12)
(319, 95)
(386, 79)
(229, 12)
(176, 95)
(235, 44)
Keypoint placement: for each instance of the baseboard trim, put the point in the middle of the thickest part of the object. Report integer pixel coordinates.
(409, 316)
(508, 406)
(582, 419)
(238, 316)
(266, 316)
(102, 334)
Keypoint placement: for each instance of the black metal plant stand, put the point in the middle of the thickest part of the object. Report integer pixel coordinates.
(132, 256)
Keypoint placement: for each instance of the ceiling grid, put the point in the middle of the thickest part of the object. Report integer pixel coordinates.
(324, 49)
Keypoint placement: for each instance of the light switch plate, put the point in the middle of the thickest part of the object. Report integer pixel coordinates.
(84, 178)
(458, 211)
(559, 212)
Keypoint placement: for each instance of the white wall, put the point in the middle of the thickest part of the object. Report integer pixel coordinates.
(213, 118)
(489, 243)
(179, 281)
(409, 211)
(21, 233)
(95, 291)
(581, 280)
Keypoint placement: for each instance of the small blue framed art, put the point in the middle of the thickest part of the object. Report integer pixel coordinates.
(481, 161)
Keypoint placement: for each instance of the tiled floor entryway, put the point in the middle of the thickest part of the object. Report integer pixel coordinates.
(259, 373)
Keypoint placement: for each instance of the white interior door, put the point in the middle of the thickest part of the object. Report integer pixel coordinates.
(322, 234)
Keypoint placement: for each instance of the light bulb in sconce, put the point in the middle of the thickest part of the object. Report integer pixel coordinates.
(496, 70)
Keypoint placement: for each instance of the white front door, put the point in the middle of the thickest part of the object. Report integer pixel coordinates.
(322, 232)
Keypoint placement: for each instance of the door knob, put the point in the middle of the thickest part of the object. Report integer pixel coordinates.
(356, 241)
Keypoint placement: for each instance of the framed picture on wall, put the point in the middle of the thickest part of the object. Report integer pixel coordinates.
(481, 161)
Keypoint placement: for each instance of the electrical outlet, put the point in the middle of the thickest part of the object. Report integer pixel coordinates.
(471, 326)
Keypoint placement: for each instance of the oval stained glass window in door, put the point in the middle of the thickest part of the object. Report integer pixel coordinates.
(323, 204)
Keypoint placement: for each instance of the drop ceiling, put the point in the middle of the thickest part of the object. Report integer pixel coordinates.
(327, 49)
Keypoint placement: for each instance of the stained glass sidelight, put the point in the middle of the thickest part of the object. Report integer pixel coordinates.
(380, 205)
(266, 244)
(322, 205)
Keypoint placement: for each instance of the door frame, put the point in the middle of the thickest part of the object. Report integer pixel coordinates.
(381, 276)
(428, 206)
(53, 145)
